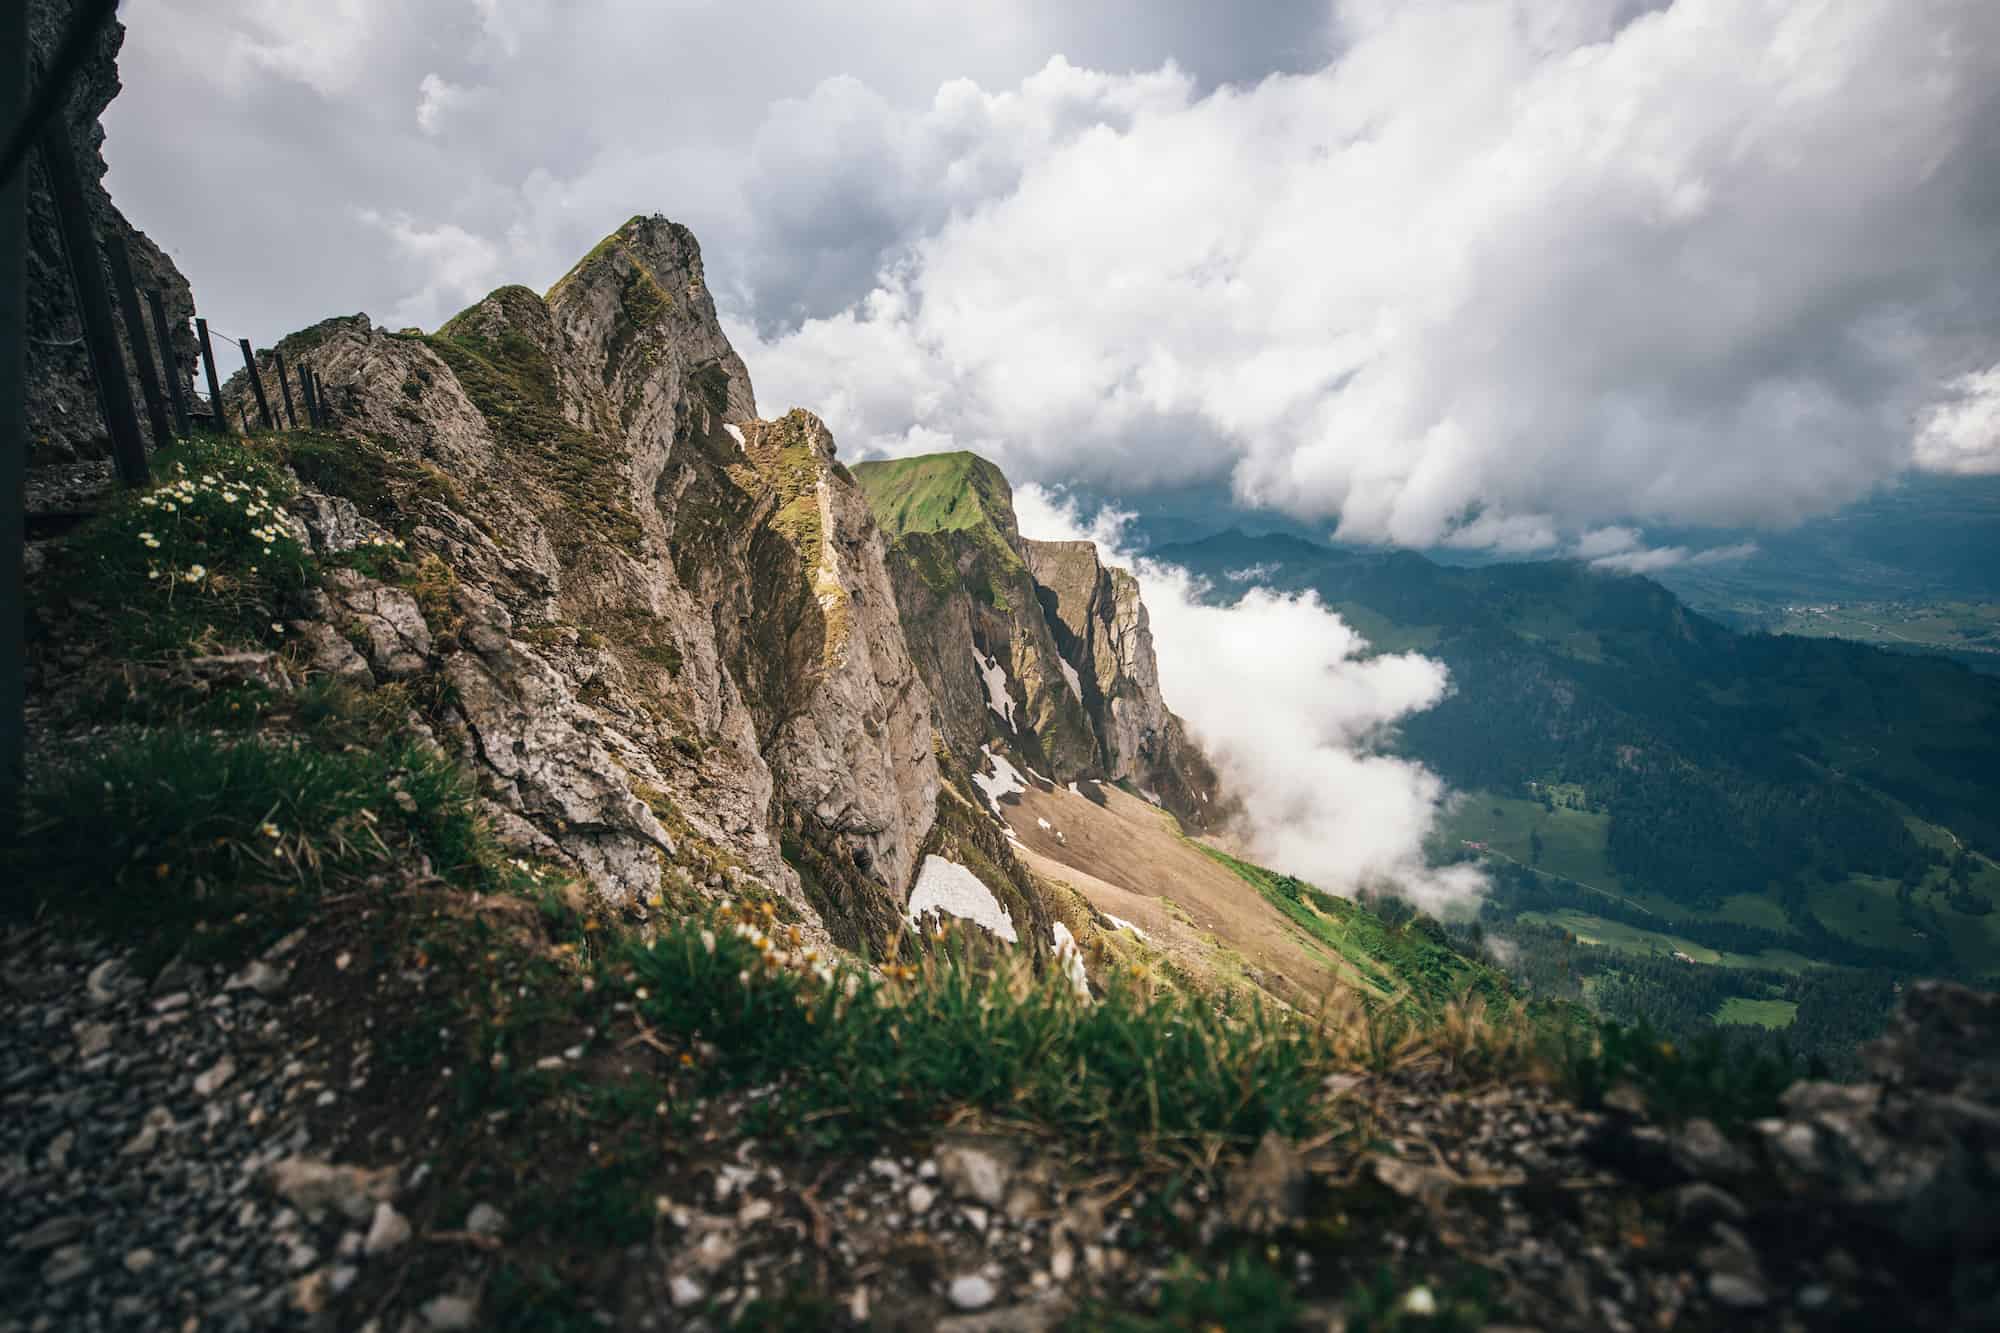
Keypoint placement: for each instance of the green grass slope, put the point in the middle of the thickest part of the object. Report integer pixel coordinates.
(957, 492)
(1413, 959)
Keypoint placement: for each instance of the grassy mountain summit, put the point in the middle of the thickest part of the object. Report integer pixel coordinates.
(1036, 647)
(950, 492)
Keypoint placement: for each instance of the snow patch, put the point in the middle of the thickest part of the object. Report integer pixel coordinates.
(995, 677)
(1069, 674)
(1071, 958)
(1153, 797)
(735, 433)
(1043, 822)
(948, 887)
(1006, 780)
(1120, 923)
(1074, 790)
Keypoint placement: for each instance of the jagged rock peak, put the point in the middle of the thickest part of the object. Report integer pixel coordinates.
(641, 283)
(684, 673)
(1101, 625)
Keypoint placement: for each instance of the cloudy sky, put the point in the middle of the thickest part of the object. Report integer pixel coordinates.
(1526, 276)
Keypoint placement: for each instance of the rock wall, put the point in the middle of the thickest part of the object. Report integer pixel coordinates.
(977, 630)
(1100, 625)
(64, 420)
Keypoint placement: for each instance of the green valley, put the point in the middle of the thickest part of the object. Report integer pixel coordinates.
(1682, 822)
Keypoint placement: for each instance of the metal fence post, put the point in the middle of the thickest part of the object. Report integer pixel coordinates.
(176, 377)
(215, 412)
(100, 337)
(135, 335)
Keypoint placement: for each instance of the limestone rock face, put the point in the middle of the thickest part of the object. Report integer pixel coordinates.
(875, 783)
(557, 788)
(64, 421)
(1101, 627)
(668, 627)
(1033, 647)
(387, 619)
(971, 614)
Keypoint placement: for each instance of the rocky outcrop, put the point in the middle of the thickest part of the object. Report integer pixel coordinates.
(64, 420)
(1867, 1204)
(1101, 625)
(666, 627)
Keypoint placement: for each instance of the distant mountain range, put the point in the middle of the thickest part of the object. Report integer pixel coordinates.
(1914, 567)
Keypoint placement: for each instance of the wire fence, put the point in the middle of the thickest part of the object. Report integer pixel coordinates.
(107, 298)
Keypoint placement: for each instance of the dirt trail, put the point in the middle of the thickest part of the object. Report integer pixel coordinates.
(1129, 859)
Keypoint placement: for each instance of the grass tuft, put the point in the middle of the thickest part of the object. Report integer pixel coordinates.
(174, 830)
(858, 1053)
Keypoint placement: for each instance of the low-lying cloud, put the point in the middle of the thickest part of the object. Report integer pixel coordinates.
(1276, 691)
(1623, 550)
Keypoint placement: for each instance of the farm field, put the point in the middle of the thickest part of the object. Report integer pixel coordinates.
(1572, 840)
(1961, 626)
(1759, 1013)
(1634, 940)
(1573, 843)
(1863, 908)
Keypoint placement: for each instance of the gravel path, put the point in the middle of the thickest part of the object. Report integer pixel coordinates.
(135, 1121)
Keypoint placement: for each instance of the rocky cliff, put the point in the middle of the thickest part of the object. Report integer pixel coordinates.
(665, 627)
(1100, 623)
(64, 421)
(969, 606)
(1036, 647)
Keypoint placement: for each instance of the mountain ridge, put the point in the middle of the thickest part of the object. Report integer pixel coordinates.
(465, 887)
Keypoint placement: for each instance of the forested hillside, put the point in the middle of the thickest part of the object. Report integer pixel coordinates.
(1712, 766)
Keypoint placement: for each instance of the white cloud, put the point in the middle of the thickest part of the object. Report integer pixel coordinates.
(1642, 560)
(1962, 433)
(1497, 273)
(1621, 550)
(435, 100)
(588, 111)
(1716, 555)
(452, 266)
(325, 46)
(1276, 691)
(1485, 273)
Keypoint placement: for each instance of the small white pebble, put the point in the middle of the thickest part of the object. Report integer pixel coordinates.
(971, 1292)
